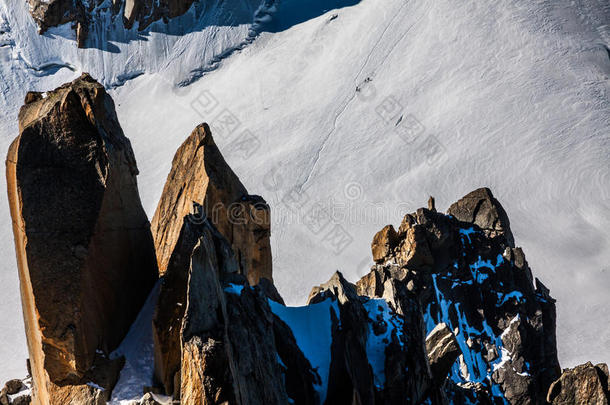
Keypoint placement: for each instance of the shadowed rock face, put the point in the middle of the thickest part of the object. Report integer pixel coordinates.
(467, 274)
(584, 384)
(233, 347)
(84, 248)
(377, 351)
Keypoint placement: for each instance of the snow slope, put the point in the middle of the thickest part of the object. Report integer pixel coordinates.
(347, 119)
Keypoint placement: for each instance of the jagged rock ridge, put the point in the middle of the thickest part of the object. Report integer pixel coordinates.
(468, 275)
(140, 14)
(450, 312)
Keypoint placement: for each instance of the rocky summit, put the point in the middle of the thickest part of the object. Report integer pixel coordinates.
(450, 313)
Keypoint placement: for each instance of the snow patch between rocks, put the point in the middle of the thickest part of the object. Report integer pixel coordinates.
(138, 349)
(311, 326)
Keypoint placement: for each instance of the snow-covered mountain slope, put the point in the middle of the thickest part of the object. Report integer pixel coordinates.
(347, 119)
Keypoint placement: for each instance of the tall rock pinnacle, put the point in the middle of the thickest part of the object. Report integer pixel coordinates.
(201, 183)
(200, 174)
(84, 248)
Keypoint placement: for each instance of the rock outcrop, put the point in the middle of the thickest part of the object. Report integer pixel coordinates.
(15, 392)
(139, 13)
(234, 348)
(200, 174)
(443, 350)
(383, 243)
(201, 183)
(240, 345)
(468, 275)
(449, 313)
(584, 384)
(84, 247)
(482, 209)
(377, 351)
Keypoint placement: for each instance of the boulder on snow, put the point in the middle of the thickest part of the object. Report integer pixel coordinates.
(84, 247)
(13, 386)
(583, 384)
(22, 400)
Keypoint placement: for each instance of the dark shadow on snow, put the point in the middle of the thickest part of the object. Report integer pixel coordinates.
(294, 12)
(106, 30)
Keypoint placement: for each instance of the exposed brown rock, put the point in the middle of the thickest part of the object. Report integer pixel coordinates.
(200, 174)
(481, 208)
(169, 311)
(414, 251)
(150, 399)
(443, 350)
(84, 247)
(52, 13)
(13, 386)
(408, 247)
(584, 384)
(229, 338)
(383, 243)
(200, 182)
(22, 400)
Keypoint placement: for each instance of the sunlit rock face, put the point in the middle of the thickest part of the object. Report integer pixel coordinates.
(200, 180)
(84, 247)
(200, 174)
(584, 384)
